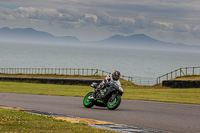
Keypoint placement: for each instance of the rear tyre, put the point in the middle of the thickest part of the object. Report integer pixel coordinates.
(87, 101)
(112, 105)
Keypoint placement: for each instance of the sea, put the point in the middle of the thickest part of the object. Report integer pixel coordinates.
(129, 61)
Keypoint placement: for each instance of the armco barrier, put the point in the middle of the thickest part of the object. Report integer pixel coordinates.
(52, 80)
(181, 84)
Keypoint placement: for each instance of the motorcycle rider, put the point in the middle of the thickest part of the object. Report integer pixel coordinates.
(111, 78)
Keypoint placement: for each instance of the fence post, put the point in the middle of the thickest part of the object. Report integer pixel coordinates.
(102, 73)
(158, 80)
(193, 71)
(180, 71)
(97, 71)
(186, 70)
(175, 73)
(171, 75)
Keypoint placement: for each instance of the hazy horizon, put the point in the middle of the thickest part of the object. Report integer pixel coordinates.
(136, 41)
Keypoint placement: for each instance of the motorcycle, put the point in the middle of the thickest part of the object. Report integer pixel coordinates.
(109, 97)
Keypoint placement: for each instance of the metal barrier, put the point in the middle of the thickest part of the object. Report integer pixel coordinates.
(75, 71)
(179, 72)
(143, 81)
(65, 71)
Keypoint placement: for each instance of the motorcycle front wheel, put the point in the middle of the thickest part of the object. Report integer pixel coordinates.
(88, 100)
(112, 105)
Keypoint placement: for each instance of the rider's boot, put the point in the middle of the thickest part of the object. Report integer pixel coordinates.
(94, 95)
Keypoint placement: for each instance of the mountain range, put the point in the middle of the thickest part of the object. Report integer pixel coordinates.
(30, 35)
(137, 41)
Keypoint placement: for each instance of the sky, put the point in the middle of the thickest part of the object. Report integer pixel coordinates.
(175, 21)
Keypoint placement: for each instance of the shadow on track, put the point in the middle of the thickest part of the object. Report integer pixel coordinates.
(104, 108)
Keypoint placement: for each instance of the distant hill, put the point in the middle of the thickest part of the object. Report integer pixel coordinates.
(33, 36)
(137, 38)
(142, 41)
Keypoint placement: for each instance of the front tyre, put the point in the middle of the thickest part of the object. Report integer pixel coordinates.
(112, 105)
(88, 100)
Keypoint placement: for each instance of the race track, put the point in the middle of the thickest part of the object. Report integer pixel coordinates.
(166, 117)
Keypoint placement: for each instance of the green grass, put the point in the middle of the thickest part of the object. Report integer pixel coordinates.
(131, 91)
(191, 96)
(188, 75)
(12, 121)
(44, 89)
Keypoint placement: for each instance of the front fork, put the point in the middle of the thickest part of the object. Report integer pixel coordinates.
(113, 97)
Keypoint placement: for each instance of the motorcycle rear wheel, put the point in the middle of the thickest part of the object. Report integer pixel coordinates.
(87, 102)
(114, 104)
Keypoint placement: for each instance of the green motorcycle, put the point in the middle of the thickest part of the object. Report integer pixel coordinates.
(109, 97)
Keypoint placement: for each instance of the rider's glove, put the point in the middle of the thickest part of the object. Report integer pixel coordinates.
(100, 86)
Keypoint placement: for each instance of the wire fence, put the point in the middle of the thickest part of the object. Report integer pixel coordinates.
(143, 81)
(178, 73)
(75, 71)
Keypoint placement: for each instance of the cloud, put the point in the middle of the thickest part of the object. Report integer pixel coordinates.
(181, 28)
(73, 18)
(123, 25)
(196, 31)
(48, 14)
(111, 16)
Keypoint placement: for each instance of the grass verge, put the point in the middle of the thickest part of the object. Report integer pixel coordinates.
(131, 91)
(18, 121)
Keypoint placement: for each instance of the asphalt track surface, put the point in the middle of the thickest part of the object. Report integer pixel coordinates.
(159, 116)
